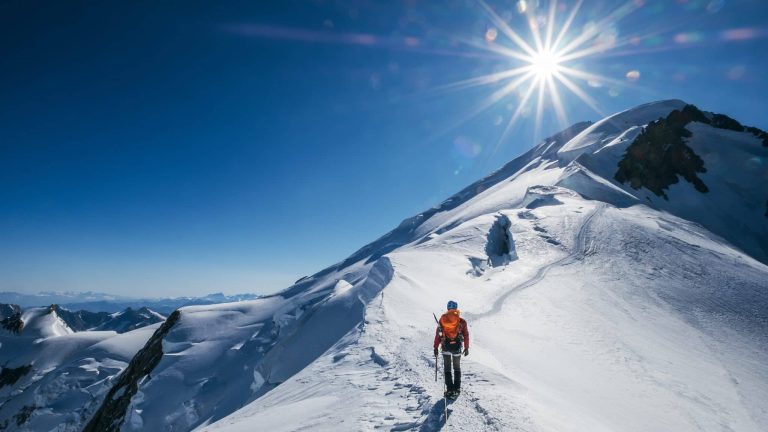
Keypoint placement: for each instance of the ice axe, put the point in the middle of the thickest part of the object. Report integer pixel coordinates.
(445, 398)
(441, 337)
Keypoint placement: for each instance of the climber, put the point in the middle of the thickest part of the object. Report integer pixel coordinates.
(452, 332)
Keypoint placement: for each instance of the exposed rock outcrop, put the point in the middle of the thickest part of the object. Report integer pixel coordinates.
(13, 322)
(111, 414)
(8, 310)
(9, 376)
(659, 154)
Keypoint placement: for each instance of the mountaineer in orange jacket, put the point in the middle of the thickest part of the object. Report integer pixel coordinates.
(452, 332)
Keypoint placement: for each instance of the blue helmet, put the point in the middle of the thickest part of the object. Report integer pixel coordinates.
(452, 305)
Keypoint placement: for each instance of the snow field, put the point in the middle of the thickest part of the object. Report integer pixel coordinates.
(571, 336)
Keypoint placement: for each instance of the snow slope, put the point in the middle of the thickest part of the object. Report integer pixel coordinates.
(591, 306)
(614, 313)
(620, 331)
(43, 323)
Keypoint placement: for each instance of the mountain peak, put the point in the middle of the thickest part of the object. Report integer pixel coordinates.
(601, 132)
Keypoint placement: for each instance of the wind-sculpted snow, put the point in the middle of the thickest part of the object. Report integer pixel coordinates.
(416, 227)
(214, 359)
(44, 323)
(500, 247)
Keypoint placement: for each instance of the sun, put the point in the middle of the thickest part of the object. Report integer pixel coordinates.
(545, 63)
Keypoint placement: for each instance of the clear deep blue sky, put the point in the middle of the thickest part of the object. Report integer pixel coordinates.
(165, 148)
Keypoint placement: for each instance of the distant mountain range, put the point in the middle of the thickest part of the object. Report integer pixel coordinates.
(102, 302)
(11, 318)
(121, 322)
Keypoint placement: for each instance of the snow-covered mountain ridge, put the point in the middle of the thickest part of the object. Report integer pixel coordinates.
(592, 305)
(101, 302)
(52, 377)
(12, 318)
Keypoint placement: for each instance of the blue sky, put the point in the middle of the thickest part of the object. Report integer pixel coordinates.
(180, 148)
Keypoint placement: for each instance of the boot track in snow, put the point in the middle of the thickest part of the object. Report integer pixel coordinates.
(583, 249)
(440, 414)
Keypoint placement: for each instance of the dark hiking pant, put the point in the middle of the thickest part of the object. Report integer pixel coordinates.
(452, 361)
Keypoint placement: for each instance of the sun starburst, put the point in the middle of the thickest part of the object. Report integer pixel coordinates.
(543, 61)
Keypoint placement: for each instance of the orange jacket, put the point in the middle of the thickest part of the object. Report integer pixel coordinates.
(464, 334)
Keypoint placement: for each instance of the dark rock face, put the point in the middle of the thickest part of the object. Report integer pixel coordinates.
(9, 376)
(724, 122)
(659, 154)
(8, 310)
(13, 322)
(111, 414)
(23, 415)
(763, 135)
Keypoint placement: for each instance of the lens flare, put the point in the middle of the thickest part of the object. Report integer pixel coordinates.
(633, 75)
